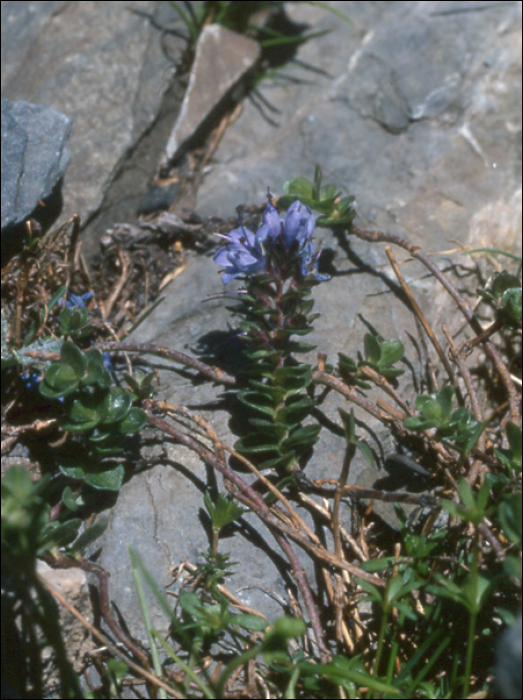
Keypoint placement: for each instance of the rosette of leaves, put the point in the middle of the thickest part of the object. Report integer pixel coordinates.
(380, 355)
(92, 405)
(456, 427)
(28, 611)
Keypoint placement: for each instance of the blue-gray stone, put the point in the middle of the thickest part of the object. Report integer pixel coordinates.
(34, 158)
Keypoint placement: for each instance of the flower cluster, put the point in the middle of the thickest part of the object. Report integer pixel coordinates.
(247, 253)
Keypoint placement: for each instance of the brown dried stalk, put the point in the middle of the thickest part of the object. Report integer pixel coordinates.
(214, 373)
(421, 316)
(105, 642)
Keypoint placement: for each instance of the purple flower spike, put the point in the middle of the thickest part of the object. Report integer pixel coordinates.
(243, 255)
(248, 253)
(298, 225)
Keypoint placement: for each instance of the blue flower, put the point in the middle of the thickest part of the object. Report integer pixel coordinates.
(243, 254)
(309, 265)
(298, 225)
(248, 253)
(107, 362)
(74, 300)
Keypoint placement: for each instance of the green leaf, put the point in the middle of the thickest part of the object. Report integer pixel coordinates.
(390, 372)
(329, 192)
(417, 424)
(501, 282)
(95, 370)
(445, 399)
(474, 437)
(429, 408)
(346, 364)
(18, 485)
(391, 352)
(308, 434)
(372, 348)
(133, 421)
(365, 451)
(69, 500)
(317, 182)
(74, 472)
(250, 622)
(293, 379)
(296, 346)
(82, 412)
(257, 400)
(514, 435)
(255, 443)
(298, 187)
(512, 566)
(295, 412)
(59, 535)
(512, 306)
(510, 515)
(278, 462)
(74, 357)
(56, 297)
(59, 380)
(116, 405)
(466, 494)
(223, 512)
(90, 534)
(349, 426)
(106, 480)
(277, 393)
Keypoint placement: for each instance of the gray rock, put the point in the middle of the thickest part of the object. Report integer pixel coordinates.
(222, 59)
(110, 67)
(417, 113)
(35, 156)
(507, 671)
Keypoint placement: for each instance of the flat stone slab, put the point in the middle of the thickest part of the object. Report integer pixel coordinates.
(222, 59)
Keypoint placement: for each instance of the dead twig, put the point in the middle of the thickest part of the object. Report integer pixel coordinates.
(214, 373)
(423, 320)
(105, 642)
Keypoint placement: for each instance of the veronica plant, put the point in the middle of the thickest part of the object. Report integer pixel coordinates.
(278, 267)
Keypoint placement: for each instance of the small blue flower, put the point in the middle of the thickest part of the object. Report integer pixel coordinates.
(309, 265)
(243, 255)
(78, 300)
(107, 362)
(31, 380)
(298, 225)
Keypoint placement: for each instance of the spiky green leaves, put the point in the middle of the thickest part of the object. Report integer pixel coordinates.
(279, 406)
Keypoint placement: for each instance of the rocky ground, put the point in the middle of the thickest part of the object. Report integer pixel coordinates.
(413, 108)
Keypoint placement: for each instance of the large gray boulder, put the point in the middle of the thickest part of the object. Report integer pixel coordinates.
(35, 156)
